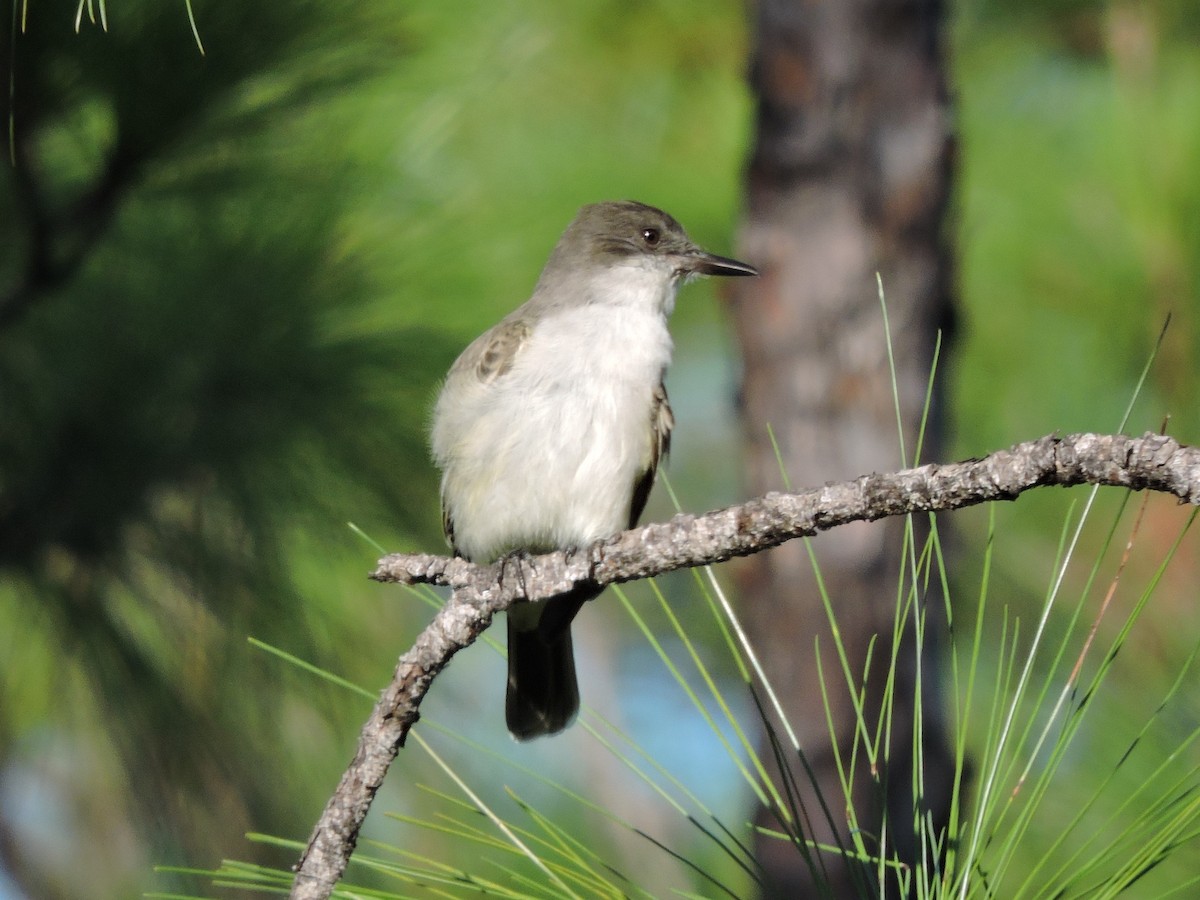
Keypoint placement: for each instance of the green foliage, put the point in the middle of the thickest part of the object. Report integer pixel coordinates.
(229, 282)
(1041, 807)
(1080, 211)
(1025, 819)
(187, 409)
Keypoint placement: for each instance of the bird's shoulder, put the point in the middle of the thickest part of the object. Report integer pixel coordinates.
(491, 355)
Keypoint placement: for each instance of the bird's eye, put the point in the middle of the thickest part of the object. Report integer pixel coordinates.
(650, 236)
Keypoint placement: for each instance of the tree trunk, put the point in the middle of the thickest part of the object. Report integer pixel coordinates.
(849, 176)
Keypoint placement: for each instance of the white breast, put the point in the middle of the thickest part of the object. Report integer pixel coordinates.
(547, 456)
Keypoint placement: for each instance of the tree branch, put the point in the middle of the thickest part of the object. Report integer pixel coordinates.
(1151, 462)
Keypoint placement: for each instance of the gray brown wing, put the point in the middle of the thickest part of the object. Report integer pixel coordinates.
(499, 348)
(448, 528)
(489, 357)
(662, 420)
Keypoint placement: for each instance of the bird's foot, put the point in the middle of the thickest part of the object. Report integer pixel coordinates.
(518, 559)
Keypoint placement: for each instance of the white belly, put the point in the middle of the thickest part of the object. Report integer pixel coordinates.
(547, 456)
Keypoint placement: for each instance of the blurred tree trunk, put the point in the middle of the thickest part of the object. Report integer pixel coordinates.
(849, 176)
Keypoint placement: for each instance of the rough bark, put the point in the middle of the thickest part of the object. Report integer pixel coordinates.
(849, 177)
(1151, 462)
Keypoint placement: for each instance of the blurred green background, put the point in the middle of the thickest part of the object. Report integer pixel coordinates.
(230, 282)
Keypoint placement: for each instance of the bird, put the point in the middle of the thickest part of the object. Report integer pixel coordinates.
(550, 426)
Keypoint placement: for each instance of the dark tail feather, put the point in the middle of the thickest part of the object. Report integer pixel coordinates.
(543, 694)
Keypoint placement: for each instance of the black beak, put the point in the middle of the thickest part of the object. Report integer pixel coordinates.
(704, 263)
